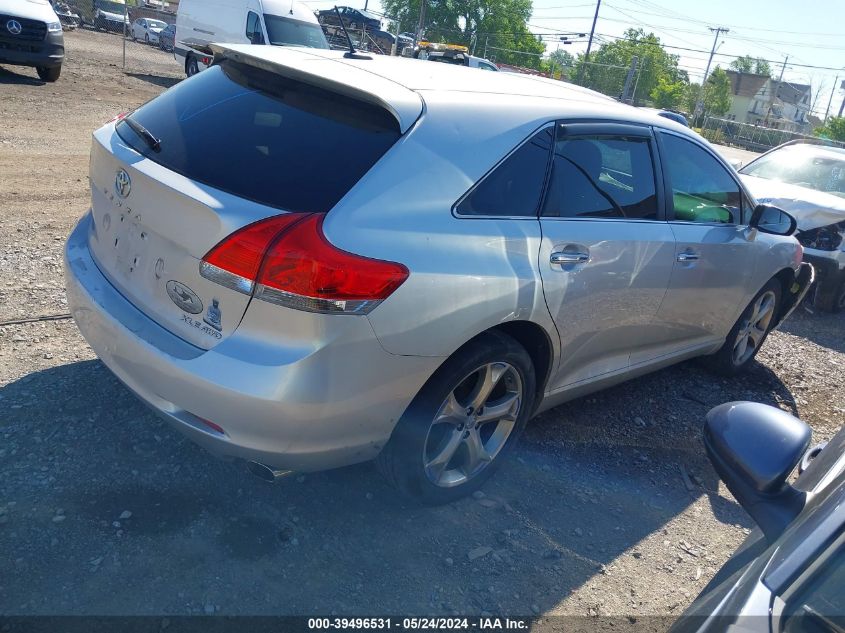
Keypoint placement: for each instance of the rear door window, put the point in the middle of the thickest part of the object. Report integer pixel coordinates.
(263, 137)
(602, 176)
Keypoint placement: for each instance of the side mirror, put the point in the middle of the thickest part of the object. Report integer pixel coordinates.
(769, 219)
(754, 448)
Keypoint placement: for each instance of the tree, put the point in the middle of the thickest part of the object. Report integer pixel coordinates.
(748, 64)
(717, 93)
(834, 129)
(560, 63)
(668, 94)
(607, 69)
(691, 95)
(500, 26)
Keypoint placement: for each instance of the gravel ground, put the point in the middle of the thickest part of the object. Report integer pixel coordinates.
(105, 510)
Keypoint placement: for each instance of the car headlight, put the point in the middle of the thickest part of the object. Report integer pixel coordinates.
(825, 238)
(54, 27)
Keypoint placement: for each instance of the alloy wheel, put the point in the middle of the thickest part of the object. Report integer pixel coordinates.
(753, 330)
(473, 424)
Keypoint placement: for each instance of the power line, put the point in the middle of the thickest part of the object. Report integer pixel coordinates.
(699, 50)
(687, 19)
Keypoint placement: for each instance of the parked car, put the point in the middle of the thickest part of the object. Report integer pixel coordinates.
(301, 322)
(274, 22)
(481, 63)
(31, 35)
(147, 29)
(808, 181)
(355, 19)
(167, 38)
(108, 15)
(789, 574)
(672, 115)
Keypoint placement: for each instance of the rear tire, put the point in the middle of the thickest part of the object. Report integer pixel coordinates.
(49, 74)
(147, 39)
(191, 66)
(463, 423)
(749, 332)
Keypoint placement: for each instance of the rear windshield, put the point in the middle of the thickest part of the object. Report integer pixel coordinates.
(262, 137)
(288, 32)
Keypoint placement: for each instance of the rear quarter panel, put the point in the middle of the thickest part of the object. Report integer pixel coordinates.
(467, 275)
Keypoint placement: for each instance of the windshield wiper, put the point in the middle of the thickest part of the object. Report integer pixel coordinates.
(152, 142)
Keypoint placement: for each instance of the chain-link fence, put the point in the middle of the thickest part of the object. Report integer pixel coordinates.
(619, 82)
(138, 40)
(757, 138)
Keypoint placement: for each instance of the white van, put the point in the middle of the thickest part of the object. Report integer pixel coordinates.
(275, 22)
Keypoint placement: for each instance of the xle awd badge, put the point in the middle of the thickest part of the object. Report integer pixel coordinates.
(184, 297)
(213, 315)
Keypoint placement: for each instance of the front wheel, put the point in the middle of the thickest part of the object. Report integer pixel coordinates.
(463, 423)
(748, 333)
(49, 74)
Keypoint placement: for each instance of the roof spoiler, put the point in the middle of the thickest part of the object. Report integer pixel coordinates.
(403, 104)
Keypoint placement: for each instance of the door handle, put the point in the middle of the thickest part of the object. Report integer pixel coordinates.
(687, 257)
(563, 258)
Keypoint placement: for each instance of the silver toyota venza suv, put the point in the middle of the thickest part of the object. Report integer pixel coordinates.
(307, 260)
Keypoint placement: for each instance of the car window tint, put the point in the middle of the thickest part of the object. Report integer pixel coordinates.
(263, 137)
(820, 605)
(702, 189)
(514, 187)
(602, 176)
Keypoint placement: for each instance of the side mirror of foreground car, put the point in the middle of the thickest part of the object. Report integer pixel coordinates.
(769, 219)
(754, 448)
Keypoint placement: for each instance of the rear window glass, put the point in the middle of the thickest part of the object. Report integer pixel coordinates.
(262, 137)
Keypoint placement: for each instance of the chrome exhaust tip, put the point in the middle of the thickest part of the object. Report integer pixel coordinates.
(265, 472)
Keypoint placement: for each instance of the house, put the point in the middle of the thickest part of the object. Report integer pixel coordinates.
(761, 100)
(744, 90)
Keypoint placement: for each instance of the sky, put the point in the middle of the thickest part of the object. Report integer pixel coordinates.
(810, 32)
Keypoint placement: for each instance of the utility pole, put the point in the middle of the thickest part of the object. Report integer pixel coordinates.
(421, 25)
(627, 89)
(395, 49)
(842, 107)
(830, 101)
(590, 41)
(486, 41)
(774, 90)
(699, 105)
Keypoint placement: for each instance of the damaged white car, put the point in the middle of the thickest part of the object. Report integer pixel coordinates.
(808, 181)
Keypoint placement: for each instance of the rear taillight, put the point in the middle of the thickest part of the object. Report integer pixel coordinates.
(287, 260)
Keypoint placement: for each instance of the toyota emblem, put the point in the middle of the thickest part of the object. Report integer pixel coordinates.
(14, 27)
(122, 183)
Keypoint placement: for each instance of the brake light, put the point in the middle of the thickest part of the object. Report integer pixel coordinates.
(287, 260)
(235, 261)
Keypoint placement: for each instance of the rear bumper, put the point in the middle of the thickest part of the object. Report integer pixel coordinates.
(304, 405)
(48, 53)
